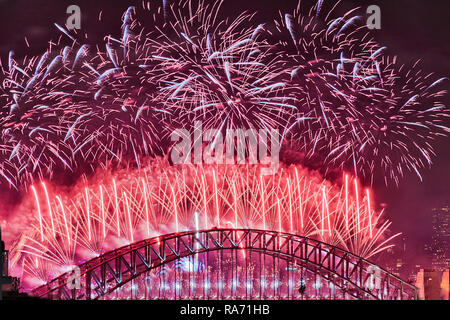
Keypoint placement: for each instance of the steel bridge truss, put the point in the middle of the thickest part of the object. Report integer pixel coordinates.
(99, 277)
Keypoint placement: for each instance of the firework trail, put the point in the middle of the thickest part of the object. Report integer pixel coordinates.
(114, 210)
(317, 77)
(358, 109)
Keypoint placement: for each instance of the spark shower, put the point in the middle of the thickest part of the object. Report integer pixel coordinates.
(104, 114)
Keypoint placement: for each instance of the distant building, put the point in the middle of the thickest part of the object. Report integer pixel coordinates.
(433, 285)
(439, 248)
(7, 283)
(429, 284)
(414, 271)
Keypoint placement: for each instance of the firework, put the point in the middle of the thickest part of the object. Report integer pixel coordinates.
(101, 215)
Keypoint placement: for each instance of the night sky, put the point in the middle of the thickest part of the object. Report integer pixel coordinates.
(411, 29)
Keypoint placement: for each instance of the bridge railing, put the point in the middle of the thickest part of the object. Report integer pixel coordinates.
(102, 275)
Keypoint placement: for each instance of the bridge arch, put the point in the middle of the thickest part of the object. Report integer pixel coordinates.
(355, 277)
